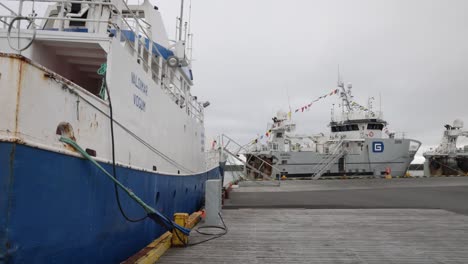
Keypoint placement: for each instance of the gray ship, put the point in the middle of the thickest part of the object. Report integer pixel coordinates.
(447, 158)
(359, 143)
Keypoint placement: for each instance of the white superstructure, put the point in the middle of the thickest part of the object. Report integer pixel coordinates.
(158, 121)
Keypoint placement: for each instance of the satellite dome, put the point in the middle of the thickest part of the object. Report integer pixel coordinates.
(458, 123)
(281, 115)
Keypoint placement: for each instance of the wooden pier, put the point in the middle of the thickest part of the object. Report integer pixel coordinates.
(421, 220)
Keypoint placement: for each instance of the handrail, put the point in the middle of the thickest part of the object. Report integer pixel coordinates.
(329, 158)
(142, 31)
(7, 8)
(238, 149)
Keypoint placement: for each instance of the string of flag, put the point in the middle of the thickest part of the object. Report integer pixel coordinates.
(360, 107)
(307, 106)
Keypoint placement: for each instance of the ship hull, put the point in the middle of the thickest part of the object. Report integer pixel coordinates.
(57, 208)
(393, 156)
(445, 165)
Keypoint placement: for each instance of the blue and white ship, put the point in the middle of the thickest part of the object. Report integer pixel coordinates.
(68, 73)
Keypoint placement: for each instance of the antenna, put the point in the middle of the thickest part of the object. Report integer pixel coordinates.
(181, 19)
(289, 103)
(344, 94)
(190, 16)
(333, 112)
(189, 34)
(380, 103)
(340, 83)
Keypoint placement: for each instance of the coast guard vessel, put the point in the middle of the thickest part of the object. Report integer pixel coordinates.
(447, 158)
(359, 144)
(105, 75)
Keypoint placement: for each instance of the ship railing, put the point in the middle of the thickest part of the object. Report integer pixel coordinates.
(399, 135)
(120, 21)
(357, 114)
(212, 158)
(253, 163)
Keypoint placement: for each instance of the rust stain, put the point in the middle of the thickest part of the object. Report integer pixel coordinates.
(18, 96)
(15, 140)
(65, 129)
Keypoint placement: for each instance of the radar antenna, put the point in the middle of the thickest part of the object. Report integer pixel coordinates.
(343, 94)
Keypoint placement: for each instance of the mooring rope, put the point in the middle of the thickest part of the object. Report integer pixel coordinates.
(151, 212)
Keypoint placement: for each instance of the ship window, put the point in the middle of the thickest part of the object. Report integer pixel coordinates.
(284, 162)
(375, 126)
(355, 127)
(279, 135)
(333, 129)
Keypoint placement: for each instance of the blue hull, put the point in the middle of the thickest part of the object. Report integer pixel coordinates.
(56, 208)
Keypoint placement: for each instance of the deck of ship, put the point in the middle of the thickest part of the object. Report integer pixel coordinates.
(422, 220)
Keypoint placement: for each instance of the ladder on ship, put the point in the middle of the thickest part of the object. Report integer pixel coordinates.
(237, 151)
(328, 160)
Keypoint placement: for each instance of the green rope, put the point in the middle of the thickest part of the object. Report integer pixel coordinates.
(102, 71)
(152, 213)
(72, 143)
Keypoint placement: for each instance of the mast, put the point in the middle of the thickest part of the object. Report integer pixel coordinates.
(181, 19)
(344, 94)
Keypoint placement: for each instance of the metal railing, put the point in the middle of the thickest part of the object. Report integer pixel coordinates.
(236, 150)
(120, 21)
(328, 160)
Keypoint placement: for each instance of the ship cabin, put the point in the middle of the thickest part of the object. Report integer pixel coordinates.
(358, 126)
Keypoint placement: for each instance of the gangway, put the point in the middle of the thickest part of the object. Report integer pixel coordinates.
(328, 160)
(241, 153)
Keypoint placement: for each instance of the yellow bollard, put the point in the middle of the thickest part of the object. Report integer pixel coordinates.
(180, 219)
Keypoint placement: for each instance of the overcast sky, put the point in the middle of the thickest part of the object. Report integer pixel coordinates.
(249, 55)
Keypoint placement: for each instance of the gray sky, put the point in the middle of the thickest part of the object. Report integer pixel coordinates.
(251, 54)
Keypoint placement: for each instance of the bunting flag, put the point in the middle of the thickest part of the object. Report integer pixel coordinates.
(302, 109)
(307, 107)
(360, 107)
